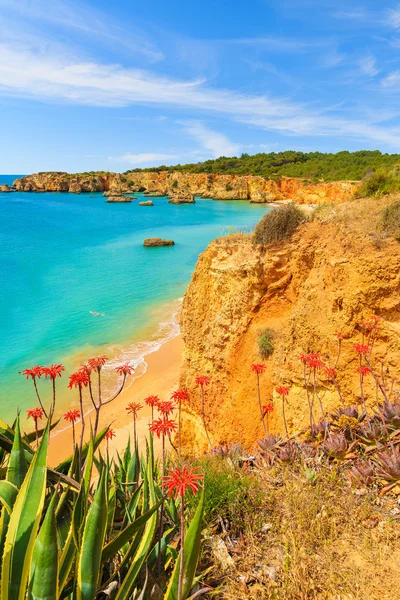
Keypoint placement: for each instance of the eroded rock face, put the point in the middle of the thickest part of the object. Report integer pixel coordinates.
(157, 242)
(187, 185)
(321, 282)
(188, 199)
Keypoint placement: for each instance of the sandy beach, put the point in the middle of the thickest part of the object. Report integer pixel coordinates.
(160, 378)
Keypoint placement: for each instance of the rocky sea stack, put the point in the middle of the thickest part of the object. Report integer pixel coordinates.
(150, 242)
(123, 199)
(146, 203)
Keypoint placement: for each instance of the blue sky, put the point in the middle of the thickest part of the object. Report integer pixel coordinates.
(116, 85)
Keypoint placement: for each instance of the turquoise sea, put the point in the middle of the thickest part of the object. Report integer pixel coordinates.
(64, 255)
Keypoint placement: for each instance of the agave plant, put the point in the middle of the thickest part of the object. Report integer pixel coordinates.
(336, 445)
(362, 473)
(370, 433)
(388, 465)
(64, 536)
(390, 413)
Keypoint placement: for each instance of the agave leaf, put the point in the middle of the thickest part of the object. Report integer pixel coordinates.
(8, 495)
(191, 556)
(92, 543)
(132, 506)
(23, 527)
(126, 534)
(31, 436)
(44, 569)
(65, 465)
(127, 586)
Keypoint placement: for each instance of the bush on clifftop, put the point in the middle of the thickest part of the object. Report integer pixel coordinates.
(391, 219)
(379, 183)
(278, 224)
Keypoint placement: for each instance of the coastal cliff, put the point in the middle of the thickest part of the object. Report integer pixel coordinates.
(334, 272)
(186, 185)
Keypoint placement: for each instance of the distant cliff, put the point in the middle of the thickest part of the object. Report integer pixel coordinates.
(176, 184)
(333, 273)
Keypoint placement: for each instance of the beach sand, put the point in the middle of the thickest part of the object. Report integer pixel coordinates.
(160, 378)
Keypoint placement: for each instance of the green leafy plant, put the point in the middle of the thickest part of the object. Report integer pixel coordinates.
(278, 224)
(265, 343)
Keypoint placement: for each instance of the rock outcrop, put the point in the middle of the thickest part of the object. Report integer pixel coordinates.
(326, 279)
(149, 242)
(5, 188)
(187, 185)
(123, 199)
(188, 199)
(146, 203)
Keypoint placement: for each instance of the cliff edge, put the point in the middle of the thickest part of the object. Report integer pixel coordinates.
(336, 270)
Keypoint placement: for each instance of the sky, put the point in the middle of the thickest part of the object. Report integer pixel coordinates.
(118, 85)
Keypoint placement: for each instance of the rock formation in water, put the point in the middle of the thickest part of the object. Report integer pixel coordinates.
(146, 203)
(187, 185)
(123, 199)
(149, 242)
(329, 277)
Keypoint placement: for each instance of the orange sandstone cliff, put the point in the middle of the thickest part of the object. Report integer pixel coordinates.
(177, 184)
(334, 272)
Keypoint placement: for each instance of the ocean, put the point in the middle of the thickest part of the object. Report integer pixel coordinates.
(65, 255)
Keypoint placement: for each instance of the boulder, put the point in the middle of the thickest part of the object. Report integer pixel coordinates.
(147, 203)
(157, 242)
(188, 199)
(119, 199)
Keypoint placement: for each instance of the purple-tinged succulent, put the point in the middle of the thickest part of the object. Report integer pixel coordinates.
(336, 445)
(362, 473)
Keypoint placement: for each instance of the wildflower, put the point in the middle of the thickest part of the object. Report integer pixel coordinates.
(79, 379)
(72, 415)
(180, 396)
(166, 408)
(363, 370)
(362, 349)
(35, 414)
(34, 372)
(125, 369)
(178, 481)
(203, 380)
(371, 324)
(162, 427)
(97, 362)
(152, 400)
(339, 336)
(133, 408)
(282, 390)
(330, 372)
(258, 368)
(267, 408)
(53, 371)
(313, 360)
(110, 434)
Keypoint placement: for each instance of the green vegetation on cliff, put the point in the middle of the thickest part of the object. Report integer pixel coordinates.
(312, 165)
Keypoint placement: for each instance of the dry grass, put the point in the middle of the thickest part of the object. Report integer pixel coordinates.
(318, 541)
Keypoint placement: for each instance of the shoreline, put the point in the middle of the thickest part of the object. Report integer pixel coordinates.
(160, 378)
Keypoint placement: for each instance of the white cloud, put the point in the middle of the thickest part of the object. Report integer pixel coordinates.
(368, 65)
(333, 59)
(391, 80)
(152, 158)
(393, 17)
(216, 143)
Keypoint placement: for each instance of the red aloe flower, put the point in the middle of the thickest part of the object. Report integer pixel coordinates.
(203, 380)
(362, 349)
(178, 481)
(364, 370)
(53, 371)
(314, 361)
(110, 434)
(282, 390)
(162, 426)
(330, 372)
(133, 408)
(258, 368)
(97, 362)
(339, 336)
(180, 396)
(267, 408)
(72, 415)
(125, 369)
(79, 379)
(166, 408)
(35, 414)
(35, 371)
(152, 400)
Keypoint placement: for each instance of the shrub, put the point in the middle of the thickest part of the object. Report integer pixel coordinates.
(278, 224)
(266, 343)
(379, 183)
(175, 183)
(228, 187)
(130, 182)
(390, 221)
